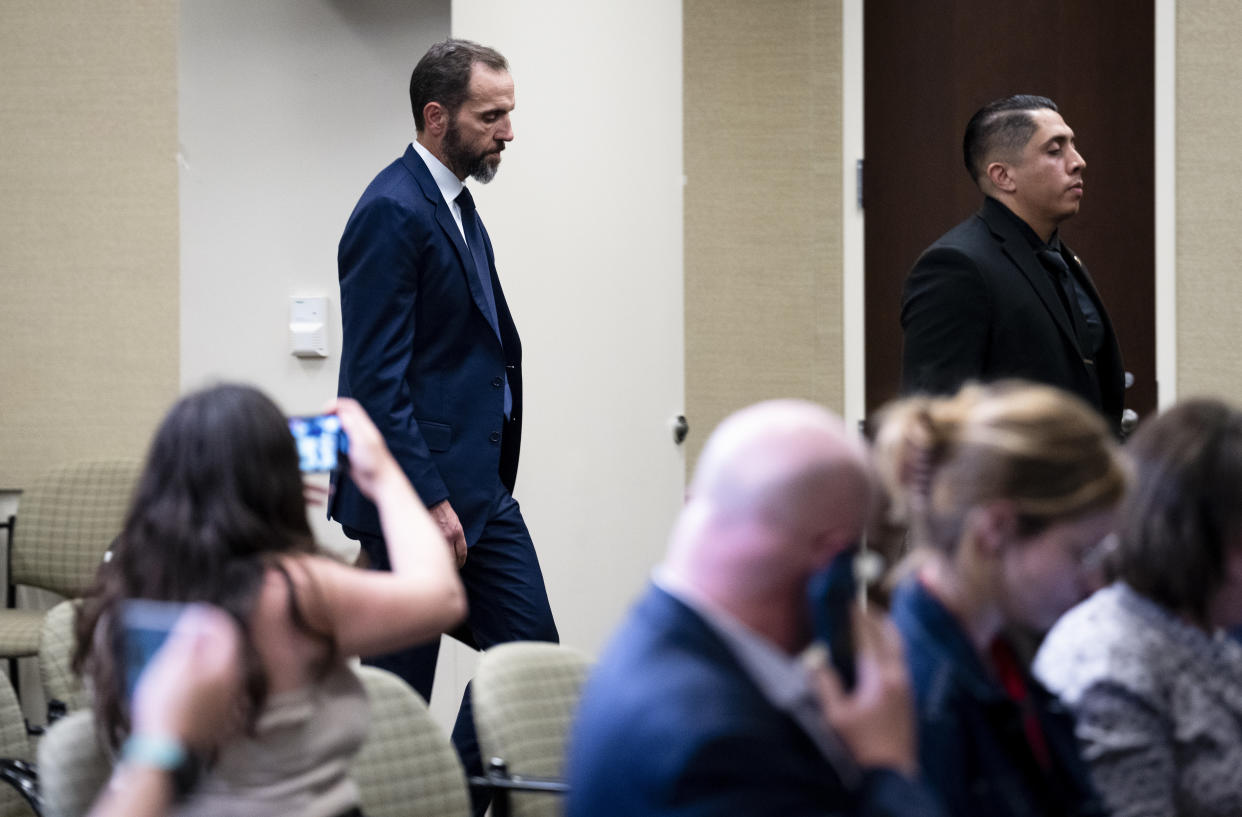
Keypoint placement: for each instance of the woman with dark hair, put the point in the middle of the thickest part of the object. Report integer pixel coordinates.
(1005, 490)
(218, 516)
(1147, 664)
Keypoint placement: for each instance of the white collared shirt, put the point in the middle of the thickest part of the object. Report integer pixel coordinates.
(781, 678)
(450, 186)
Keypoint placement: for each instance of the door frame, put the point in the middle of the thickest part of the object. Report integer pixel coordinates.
(852, 217)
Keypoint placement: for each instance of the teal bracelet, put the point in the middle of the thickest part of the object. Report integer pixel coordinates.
(155, 751)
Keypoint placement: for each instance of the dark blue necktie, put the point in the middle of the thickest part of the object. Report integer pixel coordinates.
(474, 239)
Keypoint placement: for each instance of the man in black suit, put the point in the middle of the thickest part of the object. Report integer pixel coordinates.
(1000, 295)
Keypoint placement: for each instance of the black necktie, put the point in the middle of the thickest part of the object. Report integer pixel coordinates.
(474, 239)
(1055, 263)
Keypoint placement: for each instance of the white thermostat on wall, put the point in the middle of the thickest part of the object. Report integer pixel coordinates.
(308, 318)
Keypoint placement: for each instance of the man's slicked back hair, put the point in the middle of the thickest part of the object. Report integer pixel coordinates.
(443, 75)
(1003, 126)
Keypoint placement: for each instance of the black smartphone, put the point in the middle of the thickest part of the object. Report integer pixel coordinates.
(322, 444)
(832, 593)
(145, 626)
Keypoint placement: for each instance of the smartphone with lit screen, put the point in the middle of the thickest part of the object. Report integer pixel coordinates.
(322, 444)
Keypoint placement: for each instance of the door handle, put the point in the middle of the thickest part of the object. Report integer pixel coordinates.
(681, 428)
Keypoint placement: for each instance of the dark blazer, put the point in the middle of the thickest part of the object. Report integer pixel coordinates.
(973, 747)
(671, 724)
(979, 305)
(419, 352)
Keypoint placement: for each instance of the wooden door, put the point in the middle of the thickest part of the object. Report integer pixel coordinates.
(929, 65)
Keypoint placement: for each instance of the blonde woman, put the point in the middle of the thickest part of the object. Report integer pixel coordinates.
(1006, 491)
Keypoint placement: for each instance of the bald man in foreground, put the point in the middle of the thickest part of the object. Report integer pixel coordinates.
(702, 704)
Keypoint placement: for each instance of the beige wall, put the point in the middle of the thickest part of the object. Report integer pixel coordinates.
(763, 206)
(1209, 198)
(88, 229)
(89, 220)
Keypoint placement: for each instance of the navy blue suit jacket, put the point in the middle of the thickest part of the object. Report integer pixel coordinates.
(671, 724)
(979, 305)
(419, 352)
(973, 744)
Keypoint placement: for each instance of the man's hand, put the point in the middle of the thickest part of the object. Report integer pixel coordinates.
(876, 720)
(314, 494)
(450, 526)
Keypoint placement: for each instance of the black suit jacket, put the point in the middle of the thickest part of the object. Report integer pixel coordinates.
(419, 353)
(979, 305)
(671, 724)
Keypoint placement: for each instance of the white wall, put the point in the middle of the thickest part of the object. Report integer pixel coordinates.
(289, 107)
(585, 215)
(586, 219)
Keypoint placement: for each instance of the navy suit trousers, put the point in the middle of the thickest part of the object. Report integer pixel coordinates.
(508, 602)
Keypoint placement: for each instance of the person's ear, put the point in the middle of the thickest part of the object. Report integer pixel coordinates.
(1000, 177)
(435, 119)
(992, 526)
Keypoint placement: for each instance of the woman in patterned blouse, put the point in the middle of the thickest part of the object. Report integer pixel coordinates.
(1147, 664)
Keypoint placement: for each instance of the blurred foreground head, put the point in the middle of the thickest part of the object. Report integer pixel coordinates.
(1181, 534)
(780, 488)
(1011, 486)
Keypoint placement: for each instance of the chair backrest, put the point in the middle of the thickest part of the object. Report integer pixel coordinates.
(525, 695)
(73, 766)
(56, 643)
(407, 767)
(66, 520)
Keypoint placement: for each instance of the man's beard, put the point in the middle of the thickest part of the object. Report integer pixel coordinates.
(463, 161)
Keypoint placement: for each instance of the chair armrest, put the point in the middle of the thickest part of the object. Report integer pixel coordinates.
(24, 777)
(498, 781)
(520, 783)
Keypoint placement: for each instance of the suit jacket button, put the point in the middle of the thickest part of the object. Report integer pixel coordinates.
(497, 382)
(495, 437)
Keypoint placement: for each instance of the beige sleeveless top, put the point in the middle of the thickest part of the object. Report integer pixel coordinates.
(297, 762)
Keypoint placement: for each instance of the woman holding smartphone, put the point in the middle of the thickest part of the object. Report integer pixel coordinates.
(1006, 491)
(218, 516)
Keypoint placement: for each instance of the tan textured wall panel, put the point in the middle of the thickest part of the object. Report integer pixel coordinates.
(88, 229)
(1209, 199)
(762, 206)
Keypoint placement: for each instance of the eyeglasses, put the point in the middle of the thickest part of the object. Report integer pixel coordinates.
(1094, 557)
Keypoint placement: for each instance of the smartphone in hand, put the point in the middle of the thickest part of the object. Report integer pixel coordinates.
(145, 626)
(832, 593)
(322, 444)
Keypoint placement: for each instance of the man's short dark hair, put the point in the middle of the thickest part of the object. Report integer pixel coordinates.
(443, 75)
(1184, 513)
(1003, 126)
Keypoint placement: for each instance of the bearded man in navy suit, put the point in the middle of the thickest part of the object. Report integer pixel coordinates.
(432, 354)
